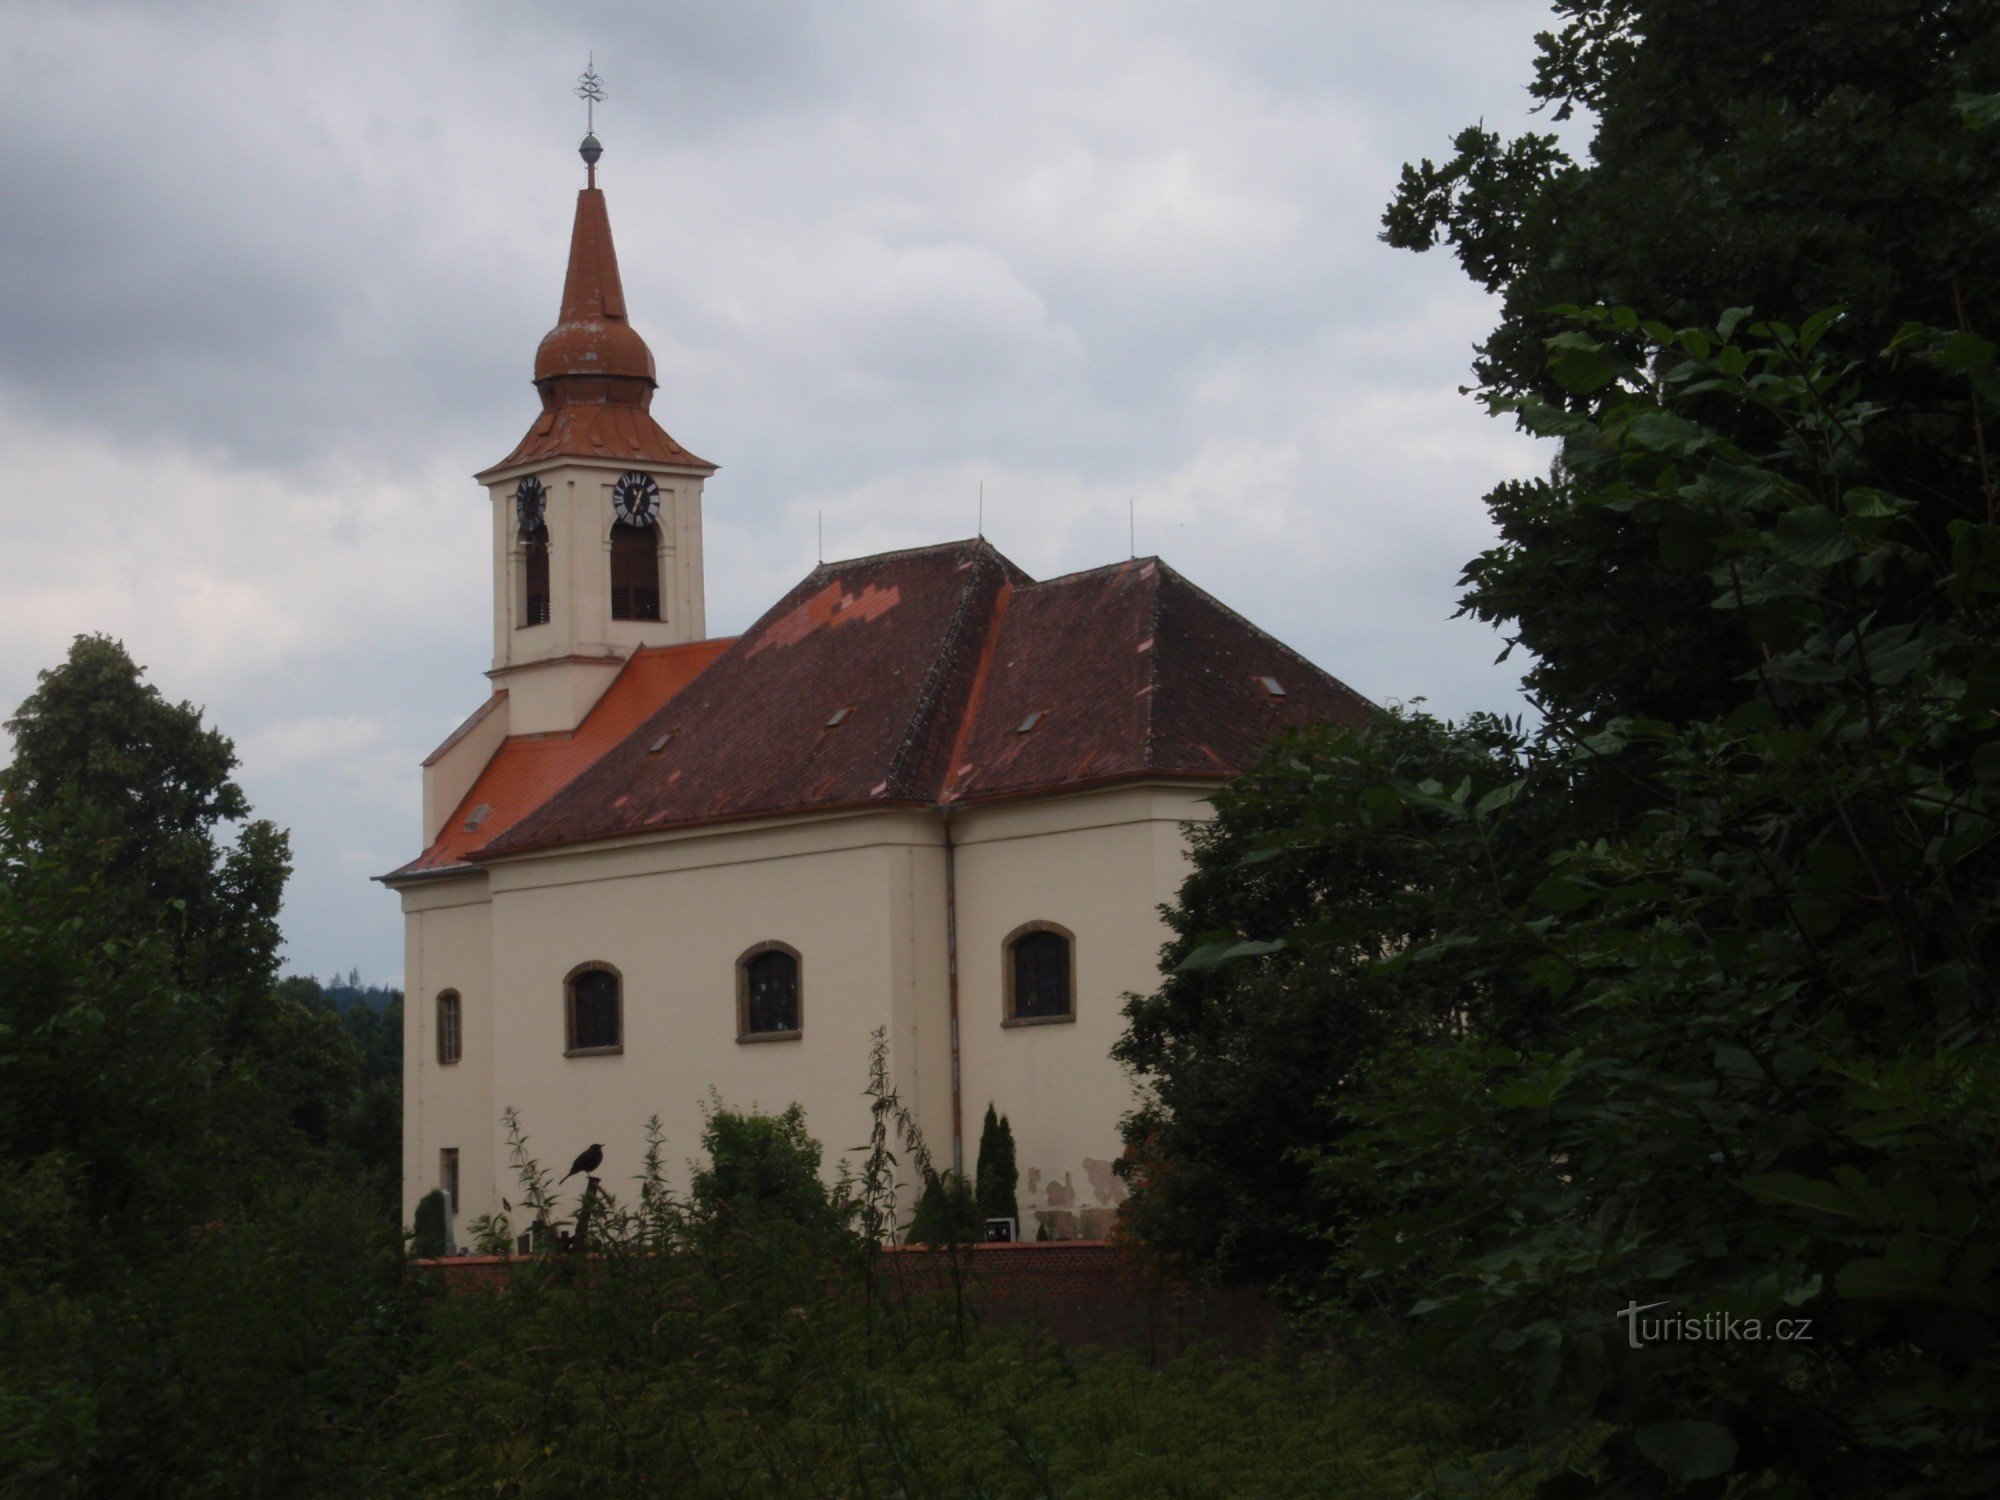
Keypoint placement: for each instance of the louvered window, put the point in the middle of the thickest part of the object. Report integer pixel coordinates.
(635, 572)
(535, 577)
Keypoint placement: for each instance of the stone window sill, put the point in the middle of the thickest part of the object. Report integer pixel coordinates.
(769, 1036)
(594, 1051)
(1068, 1020)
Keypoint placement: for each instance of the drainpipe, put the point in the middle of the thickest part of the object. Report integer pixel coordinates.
(951, 962)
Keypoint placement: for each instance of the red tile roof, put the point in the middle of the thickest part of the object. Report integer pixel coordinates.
(593, 370)
(527, 770)
(939, 656)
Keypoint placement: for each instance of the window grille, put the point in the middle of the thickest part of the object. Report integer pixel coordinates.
(594, 1020)
(1040, 963)
(770, 993)
(449, 1033)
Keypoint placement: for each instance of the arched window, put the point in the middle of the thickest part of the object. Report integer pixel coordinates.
(1040, 979)
(534, 576)
(767, 994)
(449, 1024)
(593, 1010)
(635, 572)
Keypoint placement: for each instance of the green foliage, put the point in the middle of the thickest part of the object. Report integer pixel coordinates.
(1792, 154)
(432, 1225)
(761, 1167)
(996, 1174)
(947, 1213)
(1762, 1081)
(104, 764)
(665, 1369)
(259, 1357)
(1301, 881)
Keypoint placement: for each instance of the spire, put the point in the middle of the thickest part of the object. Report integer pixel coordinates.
(591, 338)
(595, 373)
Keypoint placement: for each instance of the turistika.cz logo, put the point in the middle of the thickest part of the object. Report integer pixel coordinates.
(1709, 1328)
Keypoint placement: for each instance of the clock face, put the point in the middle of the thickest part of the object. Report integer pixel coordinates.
(636, 498)
(531, 504)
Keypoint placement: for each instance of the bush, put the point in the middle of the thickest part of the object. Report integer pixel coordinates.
(432, 1226)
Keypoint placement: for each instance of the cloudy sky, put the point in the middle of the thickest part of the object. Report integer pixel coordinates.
(274, 275)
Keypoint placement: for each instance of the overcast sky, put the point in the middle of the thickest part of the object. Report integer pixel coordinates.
(274, 275)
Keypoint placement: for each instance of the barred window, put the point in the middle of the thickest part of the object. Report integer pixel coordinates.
(449, 1023)
(767, 993)
(593, 1006)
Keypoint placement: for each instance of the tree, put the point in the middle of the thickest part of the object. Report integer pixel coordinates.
(104, 764)
(1785, 157)
(761, 1167)
(947, 1212)
(1247, 1047)
(996, 1174)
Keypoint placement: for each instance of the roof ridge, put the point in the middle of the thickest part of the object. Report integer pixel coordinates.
(940, 670)
(975, 698)
(1154, 654)
(977, 544)
(1110, 567)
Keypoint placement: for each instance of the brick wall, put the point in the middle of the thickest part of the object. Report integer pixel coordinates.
(1080, 1291)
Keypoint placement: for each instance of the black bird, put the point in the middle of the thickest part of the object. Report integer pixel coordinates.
(586, 1163)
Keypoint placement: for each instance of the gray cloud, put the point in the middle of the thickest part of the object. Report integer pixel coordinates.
(275, 275)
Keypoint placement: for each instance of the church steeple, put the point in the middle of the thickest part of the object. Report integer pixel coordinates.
(597, 511)
(594, 372)
(592, 339)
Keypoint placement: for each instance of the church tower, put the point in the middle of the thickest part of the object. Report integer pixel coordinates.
(597, 511)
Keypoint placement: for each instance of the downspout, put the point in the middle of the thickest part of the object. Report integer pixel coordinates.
(951, 966)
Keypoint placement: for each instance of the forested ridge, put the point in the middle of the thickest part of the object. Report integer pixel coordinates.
(1472, 1041)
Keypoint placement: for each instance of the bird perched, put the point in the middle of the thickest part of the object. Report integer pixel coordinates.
(586, 1163)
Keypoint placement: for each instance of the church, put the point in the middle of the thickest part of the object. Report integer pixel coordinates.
(923, 793)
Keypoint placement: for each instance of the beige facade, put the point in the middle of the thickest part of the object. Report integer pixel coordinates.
(554, 671)
(862, 899)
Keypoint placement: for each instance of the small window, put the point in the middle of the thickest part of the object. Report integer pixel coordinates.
(1040, 979)
(635, 572)
(448, 1179)
(767, 994)
(594, 1005)
(448, 1027)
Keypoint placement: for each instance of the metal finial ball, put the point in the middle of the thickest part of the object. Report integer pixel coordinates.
(590, 150)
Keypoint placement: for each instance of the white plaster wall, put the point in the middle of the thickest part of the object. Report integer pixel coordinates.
(450, 776)
(448, 944)
(861, 897)
(1099, 864)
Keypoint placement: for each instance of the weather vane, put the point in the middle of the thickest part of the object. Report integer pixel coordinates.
(590, 89)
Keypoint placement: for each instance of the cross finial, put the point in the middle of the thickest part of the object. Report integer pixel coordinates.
(590, 89)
